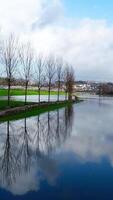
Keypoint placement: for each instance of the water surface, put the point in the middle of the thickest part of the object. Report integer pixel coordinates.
(66, 154)
(34, 98)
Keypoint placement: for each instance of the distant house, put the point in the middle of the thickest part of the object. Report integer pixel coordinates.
(85, 86)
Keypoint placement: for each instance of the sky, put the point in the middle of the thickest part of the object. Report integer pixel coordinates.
(81, 31)
(95, 9)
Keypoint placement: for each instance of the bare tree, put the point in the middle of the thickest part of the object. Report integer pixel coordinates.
(59, 70)
(65, 78)
(39, 64)
(26, 60)
(50, 73)
(9, 59)
(69, 79)
(70, 82)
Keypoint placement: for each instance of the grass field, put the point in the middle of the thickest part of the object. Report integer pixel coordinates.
(33, 111)
(3, 104)
(17, 92)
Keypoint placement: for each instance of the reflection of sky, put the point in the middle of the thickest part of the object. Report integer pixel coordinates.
(45, 169)
(34, 98)
(32, 151)
(90, 140)
(92, 134)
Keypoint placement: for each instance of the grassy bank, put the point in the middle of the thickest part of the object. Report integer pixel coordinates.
(13, 104)
(36, 111)
(17, 92)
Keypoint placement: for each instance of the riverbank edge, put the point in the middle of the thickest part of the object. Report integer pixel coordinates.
(32, 110)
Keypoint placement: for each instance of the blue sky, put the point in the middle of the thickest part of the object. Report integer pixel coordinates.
(95, 9)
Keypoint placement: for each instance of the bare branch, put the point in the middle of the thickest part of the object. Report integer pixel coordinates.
(9, 59)
(26, 60)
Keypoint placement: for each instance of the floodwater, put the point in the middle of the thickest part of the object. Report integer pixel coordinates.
(62, 155)
(34, 98)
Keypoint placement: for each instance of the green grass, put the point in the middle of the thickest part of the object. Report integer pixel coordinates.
(13, 104)
(16, 92)
(35, 111)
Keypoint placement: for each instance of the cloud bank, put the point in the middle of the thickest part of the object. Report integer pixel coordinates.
(86, 43)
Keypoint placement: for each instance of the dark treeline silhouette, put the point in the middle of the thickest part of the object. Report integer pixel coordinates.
(19, 61)
(105, 89)
(31, 142)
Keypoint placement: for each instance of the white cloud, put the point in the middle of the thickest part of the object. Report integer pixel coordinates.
(49, 15)
(20, 15)
(89, 47)
(86, 43)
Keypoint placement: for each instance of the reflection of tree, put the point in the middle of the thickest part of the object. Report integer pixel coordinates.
(8, 161)
(53, 130)
(33, 143)
(58, 125)
(69, 117)
(24, 153)
(49, 135)
(38, 133)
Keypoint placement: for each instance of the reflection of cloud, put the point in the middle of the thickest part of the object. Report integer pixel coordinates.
(49, 169)
(92, 135)
(44, 169)
(25, 149)
(25, 183)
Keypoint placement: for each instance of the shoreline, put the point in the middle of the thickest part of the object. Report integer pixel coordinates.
(32, 109)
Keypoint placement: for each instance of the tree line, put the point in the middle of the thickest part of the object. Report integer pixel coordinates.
(20, 60)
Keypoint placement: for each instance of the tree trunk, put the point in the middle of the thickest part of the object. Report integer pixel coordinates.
(26, 92)
(9, 87)
(69, 97)
(39, 84)
(65, 95)
(39, 95)
(49, 90)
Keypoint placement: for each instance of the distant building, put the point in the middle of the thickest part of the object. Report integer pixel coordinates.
(85, 86)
